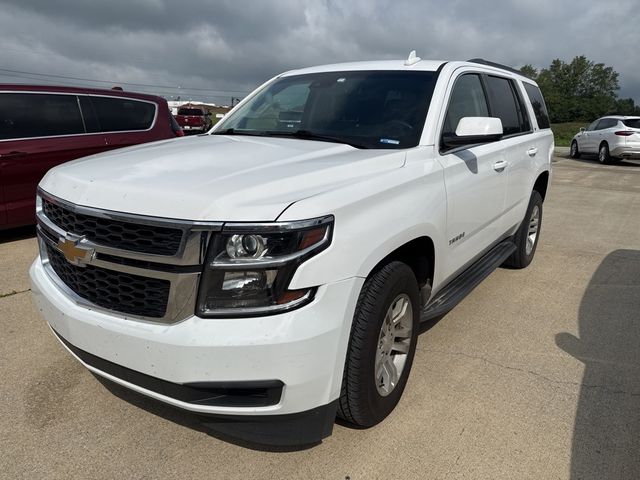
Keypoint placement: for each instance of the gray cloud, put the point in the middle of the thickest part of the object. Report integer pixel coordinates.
(236, 45)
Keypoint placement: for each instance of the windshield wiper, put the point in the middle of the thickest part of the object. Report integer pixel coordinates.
(304, 134)
(308, 135)
(233, 131)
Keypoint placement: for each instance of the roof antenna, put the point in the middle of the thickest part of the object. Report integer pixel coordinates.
(412, 59)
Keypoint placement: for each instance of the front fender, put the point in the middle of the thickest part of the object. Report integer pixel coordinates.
(372, 219)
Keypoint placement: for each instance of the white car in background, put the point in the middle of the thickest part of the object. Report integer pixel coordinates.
(612, 138)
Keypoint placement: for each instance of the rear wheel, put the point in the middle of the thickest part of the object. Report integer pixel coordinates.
(382, 345)
(526, 238)
(574, 152)
(603, 154)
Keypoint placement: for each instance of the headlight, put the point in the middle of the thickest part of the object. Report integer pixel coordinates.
(249, 267)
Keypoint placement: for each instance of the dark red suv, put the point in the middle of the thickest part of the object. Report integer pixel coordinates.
(43, 126)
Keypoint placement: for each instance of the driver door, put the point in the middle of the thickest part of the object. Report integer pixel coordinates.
(475, 179)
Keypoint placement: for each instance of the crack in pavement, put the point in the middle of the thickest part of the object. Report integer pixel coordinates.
(536, 374)
(14, 292)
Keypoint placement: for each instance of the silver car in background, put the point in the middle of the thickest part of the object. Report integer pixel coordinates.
(612, 138)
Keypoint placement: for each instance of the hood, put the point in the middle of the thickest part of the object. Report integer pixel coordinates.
(214, 177)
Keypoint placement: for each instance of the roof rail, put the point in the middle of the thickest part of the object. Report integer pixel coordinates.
(482, 61)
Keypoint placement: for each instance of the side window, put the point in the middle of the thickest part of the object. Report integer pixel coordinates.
(467, 100)
(504, 105)
(28, 115)
(606, 123)
(539, 107)
(592, 126)
(123, 114)
(88, 114)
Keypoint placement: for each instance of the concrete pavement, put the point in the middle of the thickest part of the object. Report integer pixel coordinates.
(535, 375)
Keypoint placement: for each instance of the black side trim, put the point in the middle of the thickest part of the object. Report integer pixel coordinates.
(463, 284)
(219, 394)
(289, 430)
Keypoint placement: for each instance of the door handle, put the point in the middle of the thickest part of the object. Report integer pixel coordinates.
(500, 165)
(13, 155)
(532, 152)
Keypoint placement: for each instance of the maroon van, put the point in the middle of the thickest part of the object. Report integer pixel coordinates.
(43, 126)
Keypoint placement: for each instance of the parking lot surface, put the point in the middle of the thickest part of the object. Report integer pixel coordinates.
(535, 375)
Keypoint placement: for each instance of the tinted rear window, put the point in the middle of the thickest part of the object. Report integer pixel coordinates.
(28, 115)
(122, 114)
(632, 123)
(537, 102)
(190, 111)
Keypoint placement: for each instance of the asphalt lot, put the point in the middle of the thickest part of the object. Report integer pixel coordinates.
(535, 375)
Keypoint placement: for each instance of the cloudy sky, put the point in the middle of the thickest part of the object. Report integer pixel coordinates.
(215, 49)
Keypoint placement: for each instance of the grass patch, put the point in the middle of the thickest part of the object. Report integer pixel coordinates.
(564, 132)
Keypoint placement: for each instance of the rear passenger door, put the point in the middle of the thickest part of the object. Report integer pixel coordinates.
(475, 179)
(37, 132)
(517, 145)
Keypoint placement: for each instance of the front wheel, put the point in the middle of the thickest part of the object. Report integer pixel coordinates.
(382, 345)
(574, 152)
(526, 238)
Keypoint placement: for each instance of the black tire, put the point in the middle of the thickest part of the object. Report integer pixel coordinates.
(521, 258)
(604, 156)
(574, 152)
(360, 402)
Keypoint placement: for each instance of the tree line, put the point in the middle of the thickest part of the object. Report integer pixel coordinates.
(581, 90)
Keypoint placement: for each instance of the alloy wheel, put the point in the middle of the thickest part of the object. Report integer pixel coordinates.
(393, 344)
(532, 232)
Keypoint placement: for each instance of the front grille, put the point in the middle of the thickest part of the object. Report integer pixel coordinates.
(114, 233)
(118, 291)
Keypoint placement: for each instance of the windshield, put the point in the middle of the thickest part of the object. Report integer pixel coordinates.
(368, 109)
(190, 111)
(632, 122)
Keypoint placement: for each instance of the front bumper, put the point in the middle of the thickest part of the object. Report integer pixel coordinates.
(303, 349)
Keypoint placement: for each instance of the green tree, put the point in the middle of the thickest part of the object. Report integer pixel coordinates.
(580, 90)
(529, 71)
(625, 106)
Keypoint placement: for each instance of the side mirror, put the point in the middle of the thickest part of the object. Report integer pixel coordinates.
(582, 130)
(471, 130)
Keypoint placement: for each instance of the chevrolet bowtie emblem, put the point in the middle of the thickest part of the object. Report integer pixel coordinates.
(75, 254)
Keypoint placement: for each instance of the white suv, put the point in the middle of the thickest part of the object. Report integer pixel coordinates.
(275, 272)
(612, 138)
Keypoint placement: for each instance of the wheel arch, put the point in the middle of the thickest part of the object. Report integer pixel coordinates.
(542, 184)
(418, 254)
